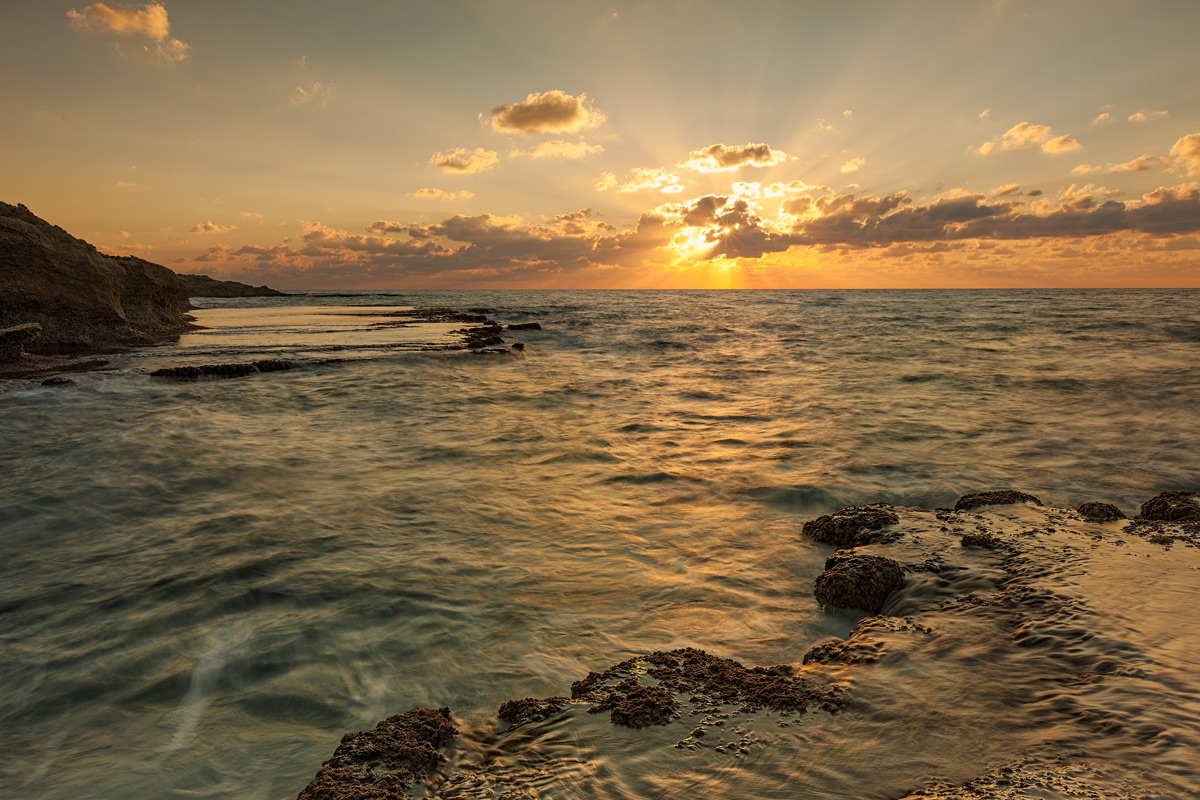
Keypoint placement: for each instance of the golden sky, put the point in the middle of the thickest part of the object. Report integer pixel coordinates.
(489, 144)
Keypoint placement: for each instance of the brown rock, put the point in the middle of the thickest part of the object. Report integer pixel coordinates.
(381, 764)
(80, 296)
(204, 286)
(531, 709)
(1006, 497)
(853, 527)
(1100, 512)
(858, 581)
(1177, 506)
(14, 340)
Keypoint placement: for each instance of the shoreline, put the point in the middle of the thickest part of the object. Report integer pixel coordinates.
(1000, 568)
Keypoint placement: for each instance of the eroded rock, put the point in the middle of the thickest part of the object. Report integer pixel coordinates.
(1100, 512)
(858, 581)
(381, 764)
(854, 526)
(13, 340)
(1177, 506)
(224, 370)
(531, 709)
(1001, 498)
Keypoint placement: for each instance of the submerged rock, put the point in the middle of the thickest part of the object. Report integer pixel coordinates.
(381, 764)
(1178, 506)
(531, 709)
(704, 679)
(858, 581)
(224, 370)
(853, 527)
(525, 326)
(1001, 498)
(1100, 512)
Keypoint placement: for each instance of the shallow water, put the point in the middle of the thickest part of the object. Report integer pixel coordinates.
(204, 584)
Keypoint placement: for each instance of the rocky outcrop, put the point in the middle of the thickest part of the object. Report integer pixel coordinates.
(1178, 506)
(1100, 512)
(381, 764)
(858, 581)
(531, 709)
(77, 294)
(224, 370)
(204, 286)
(1006, 497)
(855, 526)
(525, 326)
(14, 340)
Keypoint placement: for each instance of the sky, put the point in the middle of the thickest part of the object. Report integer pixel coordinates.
(685, 144)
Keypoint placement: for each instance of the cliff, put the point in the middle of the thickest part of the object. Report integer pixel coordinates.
(204, 286)
(78, 295)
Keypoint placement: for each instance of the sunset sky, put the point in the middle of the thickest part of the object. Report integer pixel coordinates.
(492, 144)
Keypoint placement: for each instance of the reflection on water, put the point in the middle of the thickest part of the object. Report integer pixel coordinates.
(205, 583)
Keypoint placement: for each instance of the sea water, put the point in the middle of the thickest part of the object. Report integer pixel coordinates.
(203, 584)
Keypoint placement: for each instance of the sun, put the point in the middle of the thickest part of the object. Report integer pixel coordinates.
(692, 244)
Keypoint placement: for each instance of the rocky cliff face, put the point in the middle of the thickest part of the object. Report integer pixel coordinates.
(77, 294)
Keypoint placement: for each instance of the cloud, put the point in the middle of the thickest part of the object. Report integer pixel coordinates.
(1146, 116)
(254, 215)
(1186, 153)
(606, 181)
(463, 162)
(1061, 144)
(853, 165)
(443, 195)
(548, 112)
(1102, 119)
(1007, 190)
(726, 158)
(560, 149)
(148, 21)
(318, 95)
(847, 114)
(1026, 136)
(649, 178)
(1143, 163)
(208, 226)
(985, 114)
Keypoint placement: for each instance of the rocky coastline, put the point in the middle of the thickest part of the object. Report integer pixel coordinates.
(995, 560)
(60, 296)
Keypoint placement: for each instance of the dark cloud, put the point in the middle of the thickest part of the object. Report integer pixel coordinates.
(725, 158)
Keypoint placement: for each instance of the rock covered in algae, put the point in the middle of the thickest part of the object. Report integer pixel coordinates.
(1000, 498)
(704, 679)
(854, 526)
(531, 709)
(1178, 506)
(224, 370)
(1100, 512)
(381, 764)
(858, 581)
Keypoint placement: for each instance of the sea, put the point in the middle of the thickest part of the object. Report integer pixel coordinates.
(205, 583)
